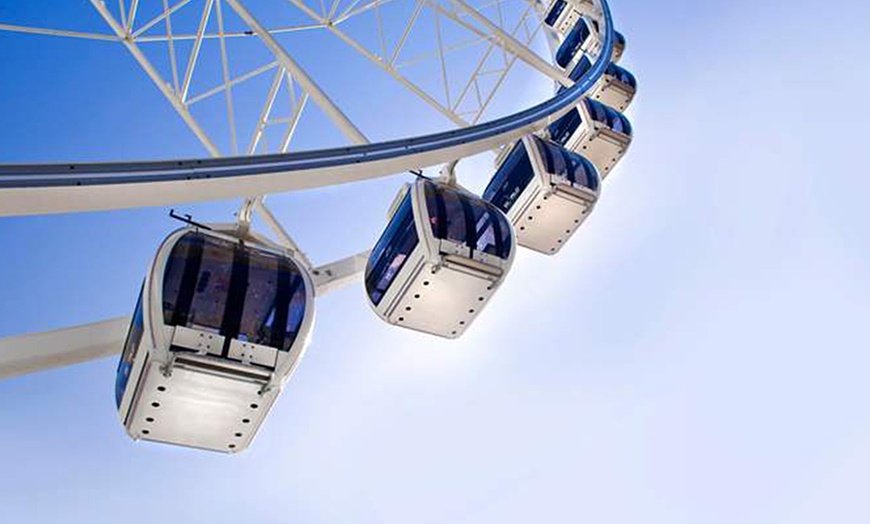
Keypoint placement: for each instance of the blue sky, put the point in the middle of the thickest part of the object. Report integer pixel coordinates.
(696, 354)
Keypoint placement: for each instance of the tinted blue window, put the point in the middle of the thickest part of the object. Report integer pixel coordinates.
(274, 301)
(562, 129)
(391, 252)
(559, 161)
(131, 345)
(609, 117)
(555, 12)
(622, 75)
(464, 218)
(620, 39)
(512, 177)
(241, 292)
(618, 46)
(579, 70)
(572, 43)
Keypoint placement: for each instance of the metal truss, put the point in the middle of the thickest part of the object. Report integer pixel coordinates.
(155, 43)
(160, 36)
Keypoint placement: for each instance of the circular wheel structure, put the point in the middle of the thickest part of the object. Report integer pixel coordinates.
(181, 44)
(59, 188)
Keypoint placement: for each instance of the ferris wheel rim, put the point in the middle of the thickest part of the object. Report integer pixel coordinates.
(33, 189)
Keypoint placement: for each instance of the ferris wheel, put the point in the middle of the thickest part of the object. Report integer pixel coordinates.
(225, 312)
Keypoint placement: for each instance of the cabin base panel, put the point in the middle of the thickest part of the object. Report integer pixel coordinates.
(602, 151)
(610, 95)
(198, 409)
(443, 302)
(549, 222)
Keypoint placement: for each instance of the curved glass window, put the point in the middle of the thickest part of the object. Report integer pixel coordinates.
(559, 161)
(555, 12)
(621, 74)
(392, 251)
(131, 345)
(579, 70)
(466, 219)
(562, 129)
(572, 43)
(620, 39)
(512, 177)
(609, 117)
(233, 289)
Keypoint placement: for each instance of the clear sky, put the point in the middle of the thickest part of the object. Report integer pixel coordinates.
(697, 354)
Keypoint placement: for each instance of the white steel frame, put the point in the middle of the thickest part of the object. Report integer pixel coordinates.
(30, 190)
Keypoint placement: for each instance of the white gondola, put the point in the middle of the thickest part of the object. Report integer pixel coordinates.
(599, 133)
(441, 257)
(618, 40)
(618, 47)
(563, 15)
(221, 322)
(616, 87)
(545, 190)
(581, 40)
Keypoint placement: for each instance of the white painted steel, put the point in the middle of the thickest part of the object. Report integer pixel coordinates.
(308, 84)
(28, 190)
(60, 188)
(28, 353)
(511, 44)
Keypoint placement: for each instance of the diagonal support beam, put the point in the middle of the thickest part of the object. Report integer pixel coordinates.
(177, 104)
(313, 90)
(34, 352)
(197, 45)
(306, 82)
(339, 274)
(389, 69)
(504, 40)
(57, 32)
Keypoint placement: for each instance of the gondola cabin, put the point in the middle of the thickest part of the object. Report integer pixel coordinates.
(618, 47)
(441, 258)
(616, 87)
(545, 190)
(618, 41)
(221, 322)
(579, 41)
(563, 15)
(599, 133)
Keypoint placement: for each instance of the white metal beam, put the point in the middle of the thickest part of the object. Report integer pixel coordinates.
(197, 45)
(152, 73)
(339, 274)
(317, 95)
(58, 32)
(284, 238)
(33, 352)
(380, 63)
(504, 40)
(228, 89)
